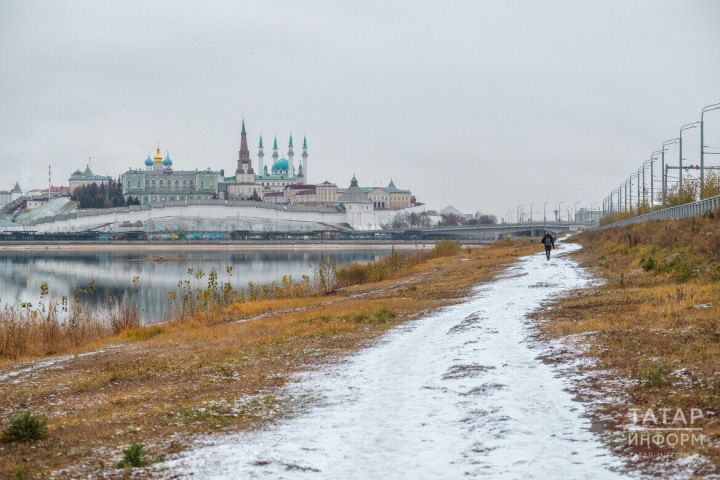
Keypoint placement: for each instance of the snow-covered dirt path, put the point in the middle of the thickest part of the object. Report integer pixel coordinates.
(460, 393)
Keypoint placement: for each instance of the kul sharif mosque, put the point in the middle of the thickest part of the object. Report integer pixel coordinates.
(282, 182)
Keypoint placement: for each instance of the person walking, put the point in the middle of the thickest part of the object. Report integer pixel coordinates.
(549, 241)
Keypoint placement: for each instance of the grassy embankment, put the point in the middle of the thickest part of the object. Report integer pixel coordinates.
(220, 370)
(690, 192)
(653, 329)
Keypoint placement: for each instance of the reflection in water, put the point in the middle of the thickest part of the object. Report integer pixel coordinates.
(22, 274)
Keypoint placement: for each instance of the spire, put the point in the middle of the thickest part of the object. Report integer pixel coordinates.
(260, 144)
(275, 143)
(244, 165)
(304, 143)
(290, 145)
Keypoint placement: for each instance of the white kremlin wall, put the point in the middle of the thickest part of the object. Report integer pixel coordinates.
(212, 215)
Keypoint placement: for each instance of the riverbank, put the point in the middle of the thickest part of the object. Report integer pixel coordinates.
(645, 340)
(162, 385)
(459, 393)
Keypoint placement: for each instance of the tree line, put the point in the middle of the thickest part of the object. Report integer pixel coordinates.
(107, 195)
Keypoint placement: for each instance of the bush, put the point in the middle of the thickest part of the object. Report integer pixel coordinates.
(446, 248)
(656, 375)
(325, 275)
(26, 428)
(648, 263)
(20, 473)
(134, 456)
(375, 317)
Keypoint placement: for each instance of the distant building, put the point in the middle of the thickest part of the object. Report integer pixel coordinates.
(55, 192)
(249, 184)
(159, 183)
(87, 177)
(327, 193)
(451, 210)
(584, 215)
(35, 202)
(357, 204)
(5, 197)
(244, 185)
(390, 197)
(16, 192)
(282, 171)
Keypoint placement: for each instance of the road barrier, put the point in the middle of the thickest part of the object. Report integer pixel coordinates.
(687, 210)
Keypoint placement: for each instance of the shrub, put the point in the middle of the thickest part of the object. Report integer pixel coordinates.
(503, 242)
(26, 428)
(648, 263)
(656, 375)
(325, 275)
(134, 456)
(446, 248)
(354, 274)
(375, 317)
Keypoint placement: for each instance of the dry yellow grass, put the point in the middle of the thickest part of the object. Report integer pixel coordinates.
(160, 385)
(653, 328)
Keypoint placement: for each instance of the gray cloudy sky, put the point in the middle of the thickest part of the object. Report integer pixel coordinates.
(480, 104)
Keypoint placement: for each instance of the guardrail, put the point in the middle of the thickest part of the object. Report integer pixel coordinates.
(687, 210)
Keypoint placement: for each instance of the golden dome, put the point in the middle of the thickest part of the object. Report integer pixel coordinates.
(157, 159)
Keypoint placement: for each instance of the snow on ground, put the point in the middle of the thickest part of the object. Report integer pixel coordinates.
(460, 393)
(34, 367)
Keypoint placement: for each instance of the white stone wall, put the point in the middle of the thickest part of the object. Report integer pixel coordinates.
(225, 216)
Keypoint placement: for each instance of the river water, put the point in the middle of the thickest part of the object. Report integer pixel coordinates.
(145, 278)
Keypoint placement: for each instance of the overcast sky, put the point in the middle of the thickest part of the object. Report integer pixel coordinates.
(481, 104)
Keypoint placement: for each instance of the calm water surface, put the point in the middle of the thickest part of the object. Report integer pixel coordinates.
(22, 274)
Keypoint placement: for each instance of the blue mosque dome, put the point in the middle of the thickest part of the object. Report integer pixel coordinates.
(148, 161)
(281, 165)
(167, 162)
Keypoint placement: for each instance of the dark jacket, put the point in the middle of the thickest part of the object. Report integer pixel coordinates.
(550, 243)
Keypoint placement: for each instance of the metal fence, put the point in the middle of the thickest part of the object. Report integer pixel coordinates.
(688, 210)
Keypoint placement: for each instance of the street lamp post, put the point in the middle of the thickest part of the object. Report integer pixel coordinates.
(531, 211)
(559, 214)
(545, 212)
(625, 186)
(575, 210)
(652, 177)
(664, 170)
(706, 108)
(687, 126)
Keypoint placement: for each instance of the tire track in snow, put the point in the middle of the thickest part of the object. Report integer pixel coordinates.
(460, 393)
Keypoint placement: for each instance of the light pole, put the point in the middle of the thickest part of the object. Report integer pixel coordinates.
(687, 126)
(575, 210)
(559, 214)
(545, 212)
(625, 185)
(652, 178)
(706, 108)
(531, 211)
(664, 171)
